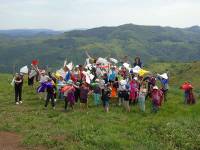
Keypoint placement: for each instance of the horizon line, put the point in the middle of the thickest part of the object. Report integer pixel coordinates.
(87, 28)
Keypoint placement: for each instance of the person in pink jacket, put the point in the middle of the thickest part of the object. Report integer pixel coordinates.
(157, 97)
(134, 87)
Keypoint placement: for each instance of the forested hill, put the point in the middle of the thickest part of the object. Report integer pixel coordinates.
(152, 43)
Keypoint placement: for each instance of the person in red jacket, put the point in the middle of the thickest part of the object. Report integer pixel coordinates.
(188, 93)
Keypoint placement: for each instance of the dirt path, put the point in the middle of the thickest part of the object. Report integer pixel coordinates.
(10, 141)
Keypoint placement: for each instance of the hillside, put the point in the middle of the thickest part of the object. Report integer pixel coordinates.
(175, 126)
(152, 43)
(28, 32)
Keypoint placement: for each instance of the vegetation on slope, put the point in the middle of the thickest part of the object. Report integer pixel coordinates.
(152, 43)
(175, 126)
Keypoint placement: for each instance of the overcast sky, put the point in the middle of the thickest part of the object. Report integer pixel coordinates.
(73, 14)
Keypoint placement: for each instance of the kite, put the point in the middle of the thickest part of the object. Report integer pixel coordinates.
(24, 70)
(136, 69)
(164, 76)
(32, 73)
(70, 66)
(126, 65)
(35, 62)
(66, 88)
(114, 60)
(143, 72)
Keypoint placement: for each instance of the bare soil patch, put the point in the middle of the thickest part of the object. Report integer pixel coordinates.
(10, 141)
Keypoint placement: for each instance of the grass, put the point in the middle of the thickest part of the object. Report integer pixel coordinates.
(175, 126)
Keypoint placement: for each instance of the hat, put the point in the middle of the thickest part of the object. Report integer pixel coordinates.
(144, 90)
(43, 72)
(78, 83)
(155, 88)
(97, 80)
(69, 82)
(21, 74)
(131, 71)
(135, 78)
(123, 82)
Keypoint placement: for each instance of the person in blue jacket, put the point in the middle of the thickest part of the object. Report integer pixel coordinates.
(112, 75)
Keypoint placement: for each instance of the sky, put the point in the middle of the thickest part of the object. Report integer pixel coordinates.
(78, 14)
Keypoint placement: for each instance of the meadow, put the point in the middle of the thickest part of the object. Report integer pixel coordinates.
(175, 126)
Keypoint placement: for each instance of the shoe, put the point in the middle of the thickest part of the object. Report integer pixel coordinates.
(55, 100)
(17, 103)
(54, 108)
(20, 102)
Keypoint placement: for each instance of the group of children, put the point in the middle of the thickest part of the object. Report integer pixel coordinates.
(116, 84)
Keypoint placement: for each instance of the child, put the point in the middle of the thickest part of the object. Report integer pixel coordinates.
(105, 78)
(165, 84)
(157, 96)
(106, 97)
(43, 78)
(84, 92)
(112, 75)
(126, 98)
(134, 86)
(77, 91)
(96, 92)
(141, 98)
(101, 84)
(151, 81)
(191, 98)
(18, 83)
(69, 95)
(52, 76)
(115, 86)
(61, 83)
(31, 76)
(121, 91)
(50, 93)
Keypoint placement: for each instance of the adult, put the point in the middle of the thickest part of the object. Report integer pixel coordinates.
(18, 84)
(137, 62)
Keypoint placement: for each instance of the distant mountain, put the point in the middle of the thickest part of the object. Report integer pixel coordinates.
(152, 43)
(29, 32)
(194, 29)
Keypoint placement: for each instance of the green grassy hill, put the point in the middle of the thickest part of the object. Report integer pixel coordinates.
(152, 43)
(179, 72)
(175, 126)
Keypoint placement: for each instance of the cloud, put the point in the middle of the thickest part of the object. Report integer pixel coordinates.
(69, 14)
